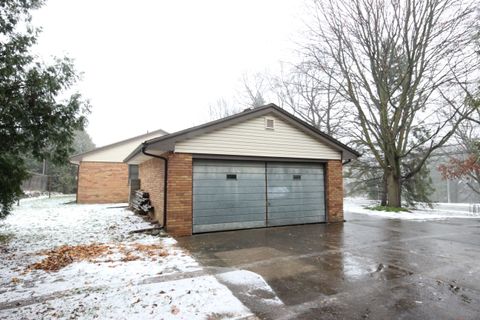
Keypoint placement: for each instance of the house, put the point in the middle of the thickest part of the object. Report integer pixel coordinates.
(102, 175)
(262, 167)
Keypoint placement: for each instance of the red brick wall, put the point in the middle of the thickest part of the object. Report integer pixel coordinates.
(102, 182)
(151, 175)
(334, 181)
(179, 193)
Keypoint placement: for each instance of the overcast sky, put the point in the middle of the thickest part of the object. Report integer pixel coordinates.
(159, 64)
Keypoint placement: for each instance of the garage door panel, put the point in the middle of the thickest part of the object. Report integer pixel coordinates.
(303, 185)
(298, 201)
(295, 189)
(286, 195)
(223, 176)
(231, 212)
(198, 198)
(291, 214)
(222, 202)
(226, 204)
(289, 177)
(292, 221)
(226, 219)
(297, 209)
(297, 169)
(202, 190)
(233, 185)
(228, 226)
(295, 193)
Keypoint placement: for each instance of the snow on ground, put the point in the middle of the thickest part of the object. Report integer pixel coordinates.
(439, 211)
(110, 286)
(254, 284)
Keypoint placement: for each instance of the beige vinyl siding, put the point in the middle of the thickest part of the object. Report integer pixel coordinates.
(250, 138)
(119, 152)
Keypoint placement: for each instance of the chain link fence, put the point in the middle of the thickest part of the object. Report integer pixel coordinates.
(36, 182)
(39, 183)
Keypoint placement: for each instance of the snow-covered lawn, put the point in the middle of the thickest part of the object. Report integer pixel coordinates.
(439, 211)
(123, 283)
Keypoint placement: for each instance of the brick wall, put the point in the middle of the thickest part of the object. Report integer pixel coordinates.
(334, 181)
(151, 175)
(179, 192)
(102, 182)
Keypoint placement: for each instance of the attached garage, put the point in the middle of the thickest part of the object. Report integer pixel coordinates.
(260, 168)
(230, 195)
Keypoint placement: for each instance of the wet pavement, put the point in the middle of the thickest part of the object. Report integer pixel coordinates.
(366, 268)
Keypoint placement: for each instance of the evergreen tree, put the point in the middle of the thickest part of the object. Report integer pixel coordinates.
(33, 119)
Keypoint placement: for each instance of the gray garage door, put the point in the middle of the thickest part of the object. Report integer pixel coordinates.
(295, 193)
(230, 195)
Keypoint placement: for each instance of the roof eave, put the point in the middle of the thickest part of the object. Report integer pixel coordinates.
(134, 153)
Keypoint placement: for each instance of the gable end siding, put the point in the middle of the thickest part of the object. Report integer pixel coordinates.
(250, 138)
(116, 152)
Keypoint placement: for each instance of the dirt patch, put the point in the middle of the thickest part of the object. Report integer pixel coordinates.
(133, 251)
(63, 256)
(151, 249)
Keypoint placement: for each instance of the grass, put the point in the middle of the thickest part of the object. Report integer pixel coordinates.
(388, 209)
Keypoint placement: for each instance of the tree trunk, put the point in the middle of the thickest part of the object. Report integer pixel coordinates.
(394, 196)
(384, 190)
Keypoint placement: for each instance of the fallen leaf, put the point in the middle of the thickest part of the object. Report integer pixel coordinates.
(64, 255)
(174, 310)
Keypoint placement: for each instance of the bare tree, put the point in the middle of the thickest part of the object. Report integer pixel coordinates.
(250, 94)
(221, 109)
(312, 96)
(401, 65)
(254, 89)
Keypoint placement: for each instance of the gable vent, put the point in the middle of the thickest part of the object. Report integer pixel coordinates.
(269, 124)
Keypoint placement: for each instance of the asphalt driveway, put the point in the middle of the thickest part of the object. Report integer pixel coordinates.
(366, 268)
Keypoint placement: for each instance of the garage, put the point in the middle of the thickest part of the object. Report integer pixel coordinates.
(229, 195)
(261, 167)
